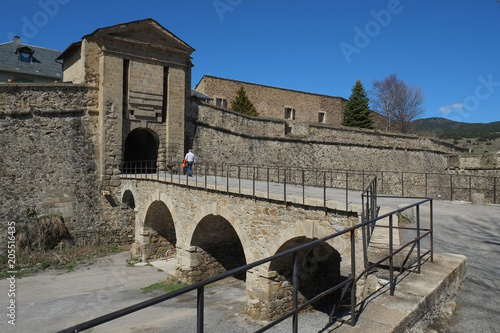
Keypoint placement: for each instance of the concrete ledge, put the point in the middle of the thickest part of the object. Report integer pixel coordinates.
(417, 301)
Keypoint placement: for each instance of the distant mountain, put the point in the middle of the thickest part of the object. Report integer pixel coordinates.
(448, 129)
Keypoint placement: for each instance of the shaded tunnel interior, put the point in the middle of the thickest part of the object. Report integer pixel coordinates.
(319, 269)
(160, 227)
(220, 246)
(141, 152)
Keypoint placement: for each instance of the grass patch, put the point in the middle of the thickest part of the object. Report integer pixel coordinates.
(166, 286)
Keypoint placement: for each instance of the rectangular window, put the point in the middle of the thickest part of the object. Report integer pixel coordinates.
(321, 117)
(221, 103)
(164, 106)
(125, 78)
(290, 113)
(25, 56)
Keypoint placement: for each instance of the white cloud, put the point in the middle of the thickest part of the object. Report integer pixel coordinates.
(450, 108)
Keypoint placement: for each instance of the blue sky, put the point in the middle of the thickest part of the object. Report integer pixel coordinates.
(448, 48)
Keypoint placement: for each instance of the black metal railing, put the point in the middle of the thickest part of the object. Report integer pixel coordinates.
(405, 184)
(347, 286)
(238, 178)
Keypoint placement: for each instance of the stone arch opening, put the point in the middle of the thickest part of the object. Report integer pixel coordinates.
(319, 270)
(218, 247)
(128, 199)
(159, 231)
(140, 152)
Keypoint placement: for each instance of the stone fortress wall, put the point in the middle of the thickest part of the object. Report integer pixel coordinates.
(223, 135)
(50, 145)
(48, 140)
(405, 164)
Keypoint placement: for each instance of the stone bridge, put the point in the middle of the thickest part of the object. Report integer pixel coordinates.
(213, 231)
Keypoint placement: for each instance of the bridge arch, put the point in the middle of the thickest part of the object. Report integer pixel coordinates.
(214, 244)
(217, 246)
(159, 230)
(156, 229)
(319, 269)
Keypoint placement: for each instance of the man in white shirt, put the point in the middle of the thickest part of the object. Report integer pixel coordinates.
(191, 160)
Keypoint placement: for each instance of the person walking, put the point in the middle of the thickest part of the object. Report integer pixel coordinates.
(191, 160)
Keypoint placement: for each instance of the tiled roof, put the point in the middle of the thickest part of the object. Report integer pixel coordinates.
(43, 64)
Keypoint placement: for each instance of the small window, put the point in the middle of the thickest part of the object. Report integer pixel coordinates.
(290, 113)
(321, 117)
(25, 56)
(221, 103)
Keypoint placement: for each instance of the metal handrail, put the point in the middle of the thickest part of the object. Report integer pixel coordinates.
(397, 183)
(302, 177)
(349, 282)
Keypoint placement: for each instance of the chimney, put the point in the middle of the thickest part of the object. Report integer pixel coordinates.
(17, 40)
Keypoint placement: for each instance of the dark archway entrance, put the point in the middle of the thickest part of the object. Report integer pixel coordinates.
(319, 270)
(141, 152)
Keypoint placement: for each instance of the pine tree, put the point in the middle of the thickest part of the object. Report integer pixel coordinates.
(242, 103)
(357, 112)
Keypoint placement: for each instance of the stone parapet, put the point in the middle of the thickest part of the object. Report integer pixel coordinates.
(57, 97)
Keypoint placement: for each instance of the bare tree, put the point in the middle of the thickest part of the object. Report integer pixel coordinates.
(397, 101)
(385, 93)
(409, 106)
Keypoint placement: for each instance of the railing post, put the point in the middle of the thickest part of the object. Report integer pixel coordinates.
(200, 309)
(432, 229)
(495, 191)
(227, 180)
(206, 165)
(391, 258)
(402, 184)
(253, 183)
(324, 189)
(239, 179)
(284, 187)
(419, 270)
(268, 182)
(346, 191)
(215, 175)
(470, 188)
(451, 187)
(303, 189)
(353, 277)
(295, 296)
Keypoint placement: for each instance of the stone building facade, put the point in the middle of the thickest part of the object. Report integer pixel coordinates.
(278, 103)
(143, 73)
